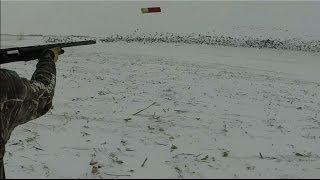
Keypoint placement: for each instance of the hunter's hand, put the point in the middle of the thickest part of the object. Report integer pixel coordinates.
(56, 51)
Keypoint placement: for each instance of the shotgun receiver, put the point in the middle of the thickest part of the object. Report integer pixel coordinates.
(29, 53)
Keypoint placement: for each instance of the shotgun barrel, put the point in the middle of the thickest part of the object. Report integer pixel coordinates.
(29, 53)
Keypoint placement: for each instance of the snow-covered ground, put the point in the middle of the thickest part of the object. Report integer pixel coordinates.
(207, 112)
(157, 98)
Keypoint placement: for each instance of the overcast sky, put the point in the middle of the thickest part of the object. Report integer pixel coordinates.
(88, 17)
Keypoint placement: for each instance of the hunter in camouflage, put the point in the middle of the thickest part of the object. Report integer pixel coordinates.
(22, 100)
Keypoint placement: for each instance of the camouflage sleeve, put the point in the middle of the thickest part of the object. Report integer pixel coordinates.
(42, 85)
(28, 99)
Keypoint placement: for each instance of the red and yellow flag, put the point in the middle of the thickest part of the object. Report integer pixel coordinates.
(151, 10)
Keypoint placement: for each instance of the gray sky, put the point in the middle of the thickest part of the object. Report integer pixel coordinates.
(88, 17)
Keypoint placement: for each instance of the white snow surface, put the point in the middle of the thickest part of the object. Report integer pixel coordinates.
(216, 112)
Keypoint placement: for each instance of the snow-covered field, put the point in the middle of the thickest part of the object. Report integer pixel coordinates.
(211, 112)
(157, 98)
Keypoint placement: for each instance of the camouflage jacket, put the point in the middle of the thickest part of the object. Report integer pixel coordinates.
(22, 100)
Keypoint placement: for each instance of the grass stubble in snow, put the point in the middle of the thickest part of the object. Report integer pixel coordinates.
(166, 110)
